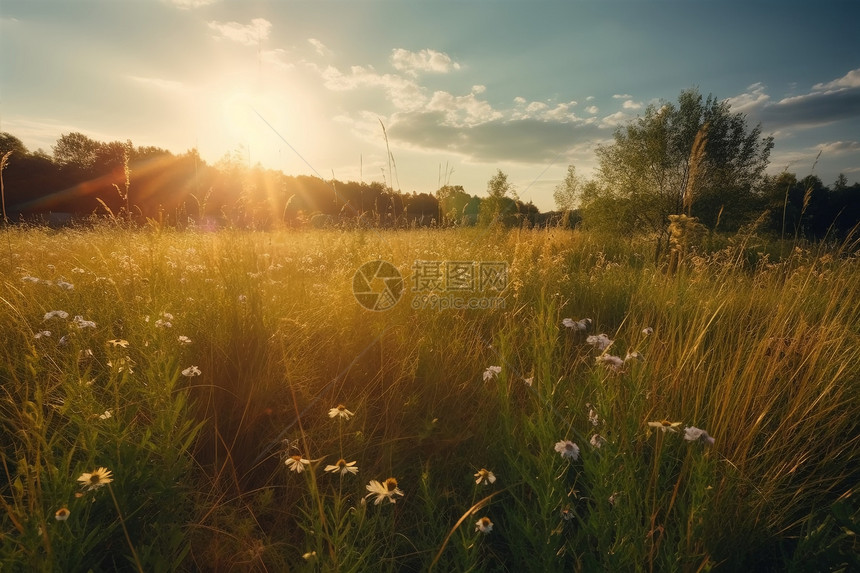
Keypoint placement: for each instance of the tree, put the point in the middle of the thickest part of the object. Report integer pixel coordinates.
(695, 158)
(567, 193)
(9, 142)
(76, 150)
(500, 204)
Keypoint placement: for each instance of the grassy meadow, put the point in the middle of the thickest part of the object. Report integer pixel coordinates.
(170, 402)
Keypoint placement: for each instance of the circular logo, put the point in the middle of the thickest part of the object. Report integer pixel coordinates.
(377, 285)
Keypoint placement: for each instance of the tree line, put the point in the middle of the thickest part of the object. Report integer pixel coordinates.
(83, 176)
(677, 170)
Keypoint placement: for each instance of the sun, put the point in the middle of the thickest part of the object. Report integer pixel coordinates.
(270, 126)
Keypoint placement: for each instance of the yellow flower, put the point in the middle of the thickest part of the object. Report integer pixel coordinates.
(665, 425)
(385, 490)
(95, 479)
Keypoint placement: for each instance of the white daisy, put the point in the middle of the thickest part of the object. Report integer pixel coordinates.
(297, 463)
(665, 425)
(341, 412)
(96, 479)
(385, 490)
(693, 434)
(484, 525)
(567, 449)
(342, 467)
(599, 341)
(491, 372)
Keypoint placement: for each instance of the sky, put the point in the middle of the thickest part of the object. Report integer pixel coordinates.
(421, 94)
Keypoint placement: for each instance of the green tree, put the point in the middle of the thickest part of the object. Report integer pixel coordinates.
(695, 157)
(567, 193)
(500, 204)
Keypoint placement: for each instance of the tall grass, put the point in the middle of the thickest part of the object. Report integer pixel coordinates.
(763, 356)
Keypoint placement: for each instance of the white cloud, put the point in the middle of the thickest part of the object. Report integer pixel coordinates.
(403, 93)
(248, 34)
(839, 147)
(622, 96)
(276, 58)
(849, 80)
(614, 120)
(753, 98)
(158, 83)
(592, 109)
(422, 61)
(462, 110)
(189, 4)
(320, 48)
(630, 104)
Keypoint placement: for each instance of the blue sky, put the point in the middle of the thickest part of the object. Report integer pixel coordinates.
(463, 88)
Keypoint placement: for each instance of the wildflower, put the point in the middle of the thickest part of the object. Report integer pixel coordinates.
(600, 341)
(184, 340)
(56, 314)
(167, 316)
(647, 331)
(693, 434)
(342, 467)
(43, 333)
(81, 323)
(62, 514)
(163, 323)
(491, 372)
(191, 371)
(65, 286)
(485, 476)
(340, 412)
(597, 441)
(614, 363)
(107, 414)
(243, 298)
(309, 556)
(118, 342)
(29, 279)
(529, 381)
(484, 525)
(123, 364)
(665, 425)
(614, 498)
(634, 356)
(385, 490)
(297, 463)
(567, 514)
(95, 479)
(577, 325)
(567, 449)
(592, 416)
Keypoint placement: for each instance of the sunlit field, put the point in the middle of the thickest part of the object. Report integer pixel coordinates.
(220, 401)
